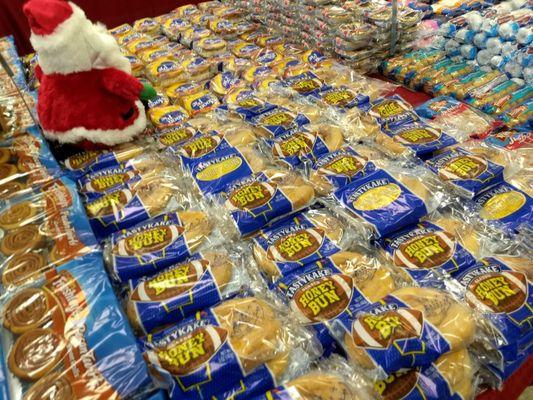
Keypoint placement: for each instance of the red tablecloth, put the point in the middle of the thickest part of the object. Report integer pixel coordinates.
(110, 12)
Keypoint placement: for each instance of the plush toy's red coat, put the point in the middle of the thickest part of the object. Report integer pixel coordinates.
(96, 99)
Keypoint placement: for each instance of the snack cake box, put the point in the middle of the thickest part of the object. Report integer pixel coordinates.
(84, 344)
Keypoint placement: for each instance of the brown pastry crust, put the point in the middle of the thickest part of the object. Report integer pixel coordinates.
(35, 353)
(22, 239)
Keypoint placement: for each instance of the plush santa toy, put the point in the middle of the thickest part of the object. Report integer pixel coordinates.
(87, 93)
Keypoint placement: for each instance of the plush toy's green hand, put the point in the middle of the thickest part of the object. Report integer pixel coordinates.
(148, 93)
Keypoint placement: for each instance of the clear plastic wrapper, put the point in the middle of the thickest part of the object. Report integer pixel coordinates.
(126, 206)
(224, 82)
(211, 175)
(148, 26)
(295, 148)
(42, 230)
(178, 291)
(387, 200)
(504, 207)
(417, 138)
(180, 89)
(254, 201)
(210, 46)
(174, 27)
(16, 115)
(436, 247)
(297, 360)
(97, 184)
(329, 379)
(467, 173)
(337, 169)
(390, 111)
(62, 336)
(410, 327)
(321, 291)
(501, 291)
(158, 242)
(218, 348)
(194, 33)
(25, 161)
(198, 103)
(167, 116)
(456, 118)
(90, 161)
(279, 120)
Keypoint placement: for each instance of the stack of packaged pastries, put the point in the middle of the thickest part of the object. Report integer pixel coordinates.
(286, 229)
(63, 333)
(461, 89)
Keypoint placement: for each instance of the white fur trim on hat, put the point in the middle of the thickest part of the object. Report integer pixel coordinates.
(78, 45)
(107, 137)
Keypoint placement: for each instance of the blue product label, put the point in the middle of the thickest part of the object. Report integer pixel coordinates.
(174, 136)
(305, 84)
(194, 357)
(425, 247)
(114, 211)
(255, 383)
(173, 294)
(201, 148)
(295, 242)
(90, 161)
(503, 295)
(278, 121)
(293, 147)
(505, 207)
(247, 105)
(97, 184)
(420, 138)
(391, 111)
(342, 97)
(470, 174)
(318, 293)
(148, 247)
(424, 383)
(342, 166)
(383, 202)
(212, 175)
(100, 335)
(254, 202)
(392, 334)
(443, 105)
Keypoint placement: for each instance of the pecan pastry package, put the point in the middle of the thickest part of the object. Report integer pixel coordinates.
(42, 230)
(63, 335)
(220, 347)
(25, 161)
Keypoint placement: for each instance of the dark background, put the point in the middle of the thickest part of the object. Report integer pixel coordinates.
(110, 12)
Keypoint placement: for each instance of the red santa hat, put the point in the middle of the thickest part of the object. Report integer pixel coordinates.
(45, 16)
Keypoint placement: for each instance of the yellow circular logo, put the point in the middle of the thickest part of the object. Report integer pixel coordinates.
(217, 171)
(502, 205)
(379, 197)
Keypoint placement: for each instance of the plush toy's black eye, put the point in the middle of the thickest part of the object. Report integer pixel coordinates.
(129, 114)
